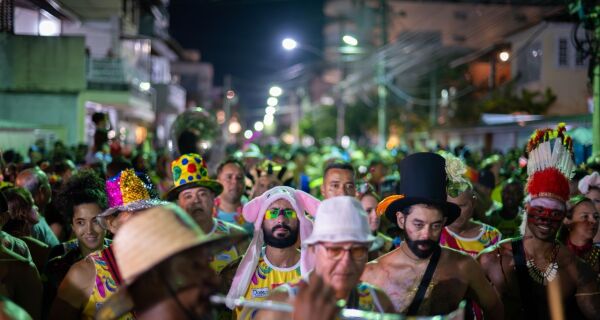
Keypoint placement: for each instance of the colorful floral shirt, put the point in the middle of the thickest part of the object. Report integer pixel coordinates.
(488, 236)
(106, 283)
(266, 278)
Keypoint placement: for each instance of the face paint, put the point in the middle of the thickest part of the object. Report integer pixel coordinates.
(553, 215)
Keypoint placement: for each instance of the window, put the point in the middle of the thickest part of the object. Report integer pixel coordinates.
(563, 52)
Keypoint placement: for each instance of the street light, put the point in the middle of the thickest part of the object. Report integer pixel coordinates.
(259, 126)
(268, 119)
(270, 110)
(275, 91)
(272, 101)
(289, 44)
(350, 40)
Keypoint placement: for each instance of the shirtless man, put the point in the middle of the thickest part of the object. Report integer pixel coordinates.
(524, 269)
(421, 212)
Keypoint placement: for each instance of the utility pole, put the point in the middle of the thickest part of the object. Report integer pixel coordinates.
(433, 102)
(381, 88)
(588, 12)
(226, 105)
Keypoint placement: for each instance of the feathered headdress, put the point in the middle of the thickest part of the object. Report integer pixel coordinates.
(550, 165)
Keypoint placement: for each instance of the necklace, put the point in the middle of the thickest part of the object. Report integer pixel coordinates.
(550, 272)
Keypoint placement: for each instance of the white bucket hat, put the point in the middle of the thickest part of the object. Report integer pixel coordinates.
(340, 219)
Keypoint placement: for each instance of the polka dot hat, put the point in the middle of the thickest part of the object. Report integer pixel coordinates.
(189, 171)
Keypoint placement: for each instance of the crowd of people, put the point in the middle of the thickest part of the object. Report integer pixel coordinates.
(303, 233)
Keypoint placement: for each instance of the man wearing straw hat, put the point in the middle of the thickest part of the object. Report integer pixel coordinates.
(280, 222)
(340, 243)
(420, 277)
(536, 267)
(92, 280)
(163, 258)
(195, 192)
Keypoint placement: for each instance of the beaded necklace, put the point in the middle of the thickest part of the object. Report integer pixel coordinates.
(549, 273)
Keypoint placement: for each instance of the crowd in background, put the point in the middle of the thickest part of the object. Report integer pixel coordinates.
(54, 193)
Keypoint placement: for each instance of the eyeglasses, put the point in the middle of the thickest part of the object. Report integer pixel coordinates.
(273, 213)
(336, 253)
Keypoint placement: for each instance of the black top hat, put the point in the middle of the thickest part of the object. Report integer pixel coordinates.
(423, 181)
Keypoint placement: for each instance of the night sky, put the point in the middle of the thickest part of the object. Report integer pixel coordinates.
(243, 38)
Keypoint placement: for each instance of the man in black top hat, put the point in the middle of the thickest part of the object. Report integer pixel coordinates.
(420, 277)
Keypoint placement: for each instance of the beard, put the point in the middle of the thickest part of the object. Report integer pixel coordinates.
(413, 245)
(280, 242)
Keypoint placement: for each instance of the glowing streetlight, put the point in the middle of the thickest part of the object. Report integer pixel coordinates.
(275, 91)
(272, 101)
(268, 119)
(259, 126)
(289, 44)
(248, 134)
(504, 56)
(144, 86)
(49, 27)
(235, 127)
(270, 110)
(350, 40)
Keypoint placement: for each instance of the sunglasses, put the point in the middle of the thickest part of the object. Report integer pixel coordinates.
(357, 253)
(275, 212)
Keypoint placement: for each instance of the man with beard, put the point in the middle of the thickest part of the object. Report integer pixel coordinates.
(280, 221)
(420, 277)
(195, 192)
(231, 175)
(526, 268)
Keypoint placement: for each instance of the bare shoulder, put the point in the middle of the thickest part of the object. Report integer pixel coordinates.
(78, 281)
(491, 254)
(82, 271)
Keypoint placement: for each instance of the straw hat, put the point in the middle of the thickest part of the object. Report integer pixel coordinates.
(340, 219)
(189, 171)
(129, 191)
(150, 239)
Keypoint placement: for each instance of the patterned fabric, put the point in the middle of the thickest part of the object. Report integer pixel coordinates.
(106, 283)
(224, 257)
(266, 278)
(488, 236)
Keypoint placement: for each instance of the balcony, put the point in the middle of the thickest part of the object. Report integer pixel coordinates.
(114, 74)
